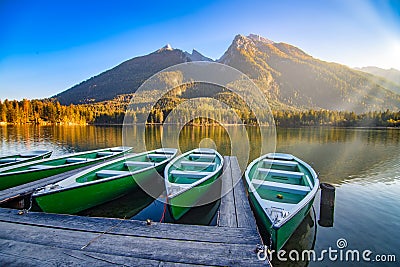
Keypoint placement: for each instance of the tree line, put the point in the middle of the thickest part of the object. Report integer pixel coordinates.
(52, 112)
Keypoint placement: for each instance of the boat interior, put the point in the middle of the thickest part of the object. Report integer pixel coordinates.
(194, 166)
(128, 165)
(279, 178)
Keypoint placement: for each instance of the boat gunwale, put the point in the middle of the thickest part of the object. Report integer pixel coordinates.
(41, 161)
(298, 207)
(103, 180)
(198, 182)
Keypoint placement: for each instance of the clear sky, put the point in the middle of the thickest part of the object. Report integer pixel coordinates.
(48, 46)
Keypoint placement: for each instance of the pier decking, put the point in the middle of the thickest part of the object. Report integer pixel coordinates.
(52, 239)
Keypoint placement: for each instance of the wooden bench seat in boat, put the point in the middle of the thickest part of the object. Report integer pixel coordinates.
(75, 160)
(189, 174)
(28, 155)
(109, 173)
(209, 157)
(279, 156)
(165, 151)
(138, 164)
(105, 153)
(204, 151)
(285, 163)
(117, 149)
(40, 167)
(158, 156)
(288, 188)
(8, 160)
(189, 163)
(280, 173)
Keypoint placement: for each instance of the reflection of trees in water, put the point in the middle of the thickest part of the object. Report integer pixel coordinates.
(338, 154)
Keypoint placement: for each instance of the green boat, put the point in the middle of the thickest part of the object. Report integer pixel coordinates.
(281, 189)
(35, 170)
(190, 178)
(102, 183)
(24, 157)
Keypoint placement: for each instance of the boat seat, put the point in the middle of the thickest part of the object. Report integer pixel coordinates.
(280, 156)
(138, 164)
(288, 188)
(75, 160)
(202, 156)
(280, 173)
(185, 163)
(8, 160)
(39, 167)
(285, 163)
(189, 174)
(117, 149)
(28, 155)
(158, 156)
(105, 153)
(166, 151)
(204, 151)
(110, 173)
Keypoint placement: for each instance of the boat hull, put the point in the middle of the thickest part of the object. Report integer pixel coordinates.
(182, 203)
(15, 179)
(280, 235)
(76, 199)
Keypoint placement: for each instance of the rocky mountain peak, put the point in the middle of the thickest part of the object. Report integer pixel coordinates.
(166, 47)
(259, 38)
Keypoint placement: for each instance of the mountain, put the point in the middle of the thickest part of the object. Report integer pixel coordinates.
(122, 79)
(126, 77)
(290, 78)
(392, 75)
(197, 56)
(389, 78)
(293, 79)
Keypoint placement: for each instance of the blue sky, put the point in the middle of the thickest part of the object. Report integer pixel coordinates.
(48, 46)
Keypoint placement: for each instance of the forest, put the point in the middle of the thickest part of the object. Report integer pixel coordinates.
(52, 112)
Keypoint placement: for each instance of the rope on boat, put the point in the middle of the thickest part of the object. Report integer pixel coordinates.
(165, 209)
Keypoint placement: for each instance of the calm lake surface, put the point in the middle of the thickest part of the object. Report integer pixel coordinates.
(363, 164)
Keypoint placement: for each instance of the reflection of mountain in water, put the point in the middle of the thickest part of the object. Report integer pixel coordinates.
(341, 155)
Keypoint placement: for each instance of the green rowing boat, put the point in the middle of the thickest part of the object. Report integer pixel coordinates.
(24, 157)
(103, 182)
(282, 190)
(31, 171)
(190, 178)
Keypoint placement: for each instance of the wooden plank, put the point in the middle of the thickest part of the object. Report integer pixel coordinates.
(204, 253)
(227, 211)
(131, 227)
(245, 216)
(14, 253)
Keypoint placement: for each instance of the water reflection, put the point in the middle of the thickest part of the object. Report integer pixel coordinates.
(339, 155)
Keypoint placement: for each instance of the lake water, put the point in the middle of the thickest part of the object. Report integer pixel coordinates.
(363, 164)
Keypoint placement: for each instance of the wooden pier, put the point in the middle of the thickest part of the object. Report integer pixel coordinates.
(35, 238)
